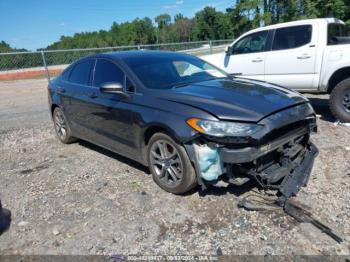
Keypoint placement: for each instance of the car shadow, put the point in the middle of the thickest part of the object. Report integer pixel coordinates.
(321, 106)
(210, 190)
(115, 156)
(237, 191)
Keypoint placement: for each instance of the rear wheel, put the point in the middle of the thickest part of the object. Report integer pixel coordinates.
(169, 164)
(62, 128)
(340, 101)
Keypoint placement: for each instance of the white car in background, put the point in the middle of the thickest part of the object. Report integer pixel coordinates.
(308, 56)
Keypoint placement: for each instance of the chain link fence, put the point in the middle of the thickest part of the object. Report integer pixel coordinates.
(19, 65)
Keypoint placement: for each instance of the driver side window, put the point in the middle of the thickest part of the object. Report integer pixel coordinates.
(252, 43)
(106, 71)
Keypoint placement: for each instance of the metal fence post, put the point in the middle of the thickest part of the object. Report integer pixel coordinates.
(45, 65)
(211, 46)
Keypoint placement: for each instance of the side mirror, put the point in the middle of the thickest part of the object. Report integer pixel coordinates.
(112, 88)
(229, 50)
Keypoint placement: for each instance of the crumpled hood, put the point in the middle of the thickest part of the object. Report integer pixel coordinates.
(238, 99)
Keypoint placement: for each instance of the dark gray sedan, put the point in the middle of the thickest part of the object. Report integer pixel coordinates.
(187, 120)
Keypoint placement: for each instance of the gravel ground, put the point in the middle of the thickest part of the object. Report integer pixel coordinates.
(81, 199)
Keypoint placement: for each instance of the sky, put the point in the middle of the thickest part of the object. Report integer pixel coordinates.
(33, 24)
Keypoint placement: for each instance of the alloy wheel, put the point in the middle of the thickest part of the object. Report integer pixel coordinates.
(166, 162)
(60, 125)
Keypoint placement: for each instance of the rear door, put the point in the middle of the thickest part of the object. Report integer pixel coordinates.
(77, 87)
(292, 59)
(248, 56)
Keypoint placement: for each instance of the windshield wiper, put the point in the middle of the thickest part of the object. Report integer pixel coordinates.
(182, 84)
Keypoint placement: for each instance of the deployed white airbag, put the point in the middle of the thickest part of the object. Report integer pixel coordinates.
(209, 163)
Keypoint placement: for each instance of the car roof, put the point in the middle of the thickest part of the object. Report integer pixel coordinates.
(139, 54)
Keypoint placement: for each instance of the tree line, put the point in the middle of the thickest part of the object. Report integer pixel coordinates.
(207, 24)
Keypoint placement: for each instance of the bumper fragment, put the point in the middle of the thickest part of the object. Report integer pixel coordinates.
(292, 183)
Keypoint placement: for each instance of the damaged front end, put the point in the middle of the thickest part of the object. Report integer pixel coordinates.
(280, 157)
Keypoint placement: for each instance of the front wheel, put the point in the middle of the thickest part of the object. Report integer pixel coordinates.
(340, 101)
(170, 165)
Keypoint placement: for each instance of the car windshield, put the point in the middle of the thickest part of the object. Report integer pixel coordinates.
(165, 72)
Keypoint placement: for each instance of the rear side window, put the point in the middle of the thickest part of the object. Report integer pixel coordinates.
(81, 73)
(106, 71)
(292, 37)
(336, 33)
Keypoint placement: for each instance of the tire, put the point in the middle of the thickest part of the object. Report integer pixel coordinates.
(174, 174)
(62, 129)
(340, 101)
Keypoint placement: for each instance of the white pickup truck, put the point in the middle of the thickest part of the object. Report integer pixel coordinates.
(308, 55)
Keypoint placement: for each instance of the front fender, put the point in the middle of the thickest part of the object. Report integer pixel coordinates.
(174, 125)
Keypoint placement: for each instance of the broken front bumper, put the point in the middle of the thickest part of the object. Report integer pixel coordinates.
(284, 164)
(292, 183)
(288, 176)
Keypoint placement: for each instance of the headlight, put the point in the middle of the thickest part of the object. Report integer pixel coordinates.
(222, 128)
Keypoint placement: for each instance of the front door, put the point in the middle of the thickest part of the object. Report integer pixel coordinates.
(111, 116)
(248, 56)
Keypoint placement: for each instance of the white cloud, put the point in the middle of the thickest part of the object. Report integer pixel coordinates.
(168, 7)
(62, 24)
(177, 4)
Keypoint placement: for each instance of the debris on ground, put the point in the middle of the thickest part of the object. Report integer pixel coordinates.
(295, 210)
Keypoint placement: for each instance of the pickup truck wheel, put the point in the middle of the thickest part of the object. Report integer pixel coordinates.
(340, 101)
(170, 165)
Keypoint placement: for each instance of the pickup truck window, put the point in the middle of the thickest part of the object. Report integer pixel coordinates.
(337, 34)
(292, 37)
(252, 43)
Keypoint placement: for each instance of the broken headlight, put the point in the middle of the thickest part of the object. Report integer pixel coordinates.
(223, 128)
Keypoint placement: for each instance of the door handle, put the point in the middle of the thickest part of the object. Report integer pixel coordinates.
(61, 90)
(92, 95)
(257, 60)
(304, 56)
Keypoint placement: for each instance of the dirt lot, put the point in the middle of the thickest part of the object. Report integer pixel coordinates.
(81, 199)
